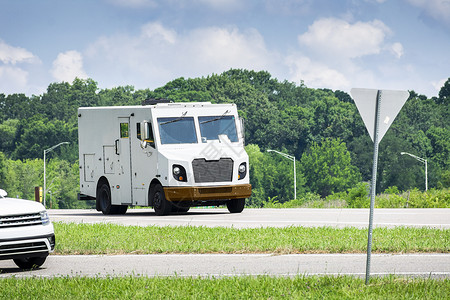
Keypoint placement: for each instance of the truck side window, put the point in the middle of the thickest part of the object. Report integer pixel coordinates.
(124, 130)
(138, 131)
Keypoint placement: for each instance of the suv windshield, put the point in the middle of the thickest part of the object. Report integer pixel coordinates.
(177, 130)
(213, 126)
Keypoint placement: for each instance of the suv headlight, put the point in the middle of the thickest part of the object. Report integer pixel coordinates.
(44, 218)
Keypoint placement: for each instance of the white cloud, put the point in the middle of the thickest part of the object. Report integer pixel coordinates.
(15, 66)
(222, 48)
(159, 54)
(397, 49)
(316, 74)
(67, 66)
(157, 31)
(438, 10)
(13, 55)
(335, 54)
(344, 40)
(12, 79)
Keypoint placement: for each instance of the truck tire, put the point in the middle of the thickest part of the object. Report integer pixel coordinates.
(119, 209)
(161, 206)
(178, 207)
(104, 199)
(29, 262)
(236, 205)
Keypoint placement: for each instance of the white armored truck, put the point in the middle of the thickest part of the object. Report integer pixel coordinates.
(171, 156)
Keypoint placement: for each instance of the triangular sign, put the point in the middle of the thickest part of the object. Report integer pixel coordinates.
(391, 102)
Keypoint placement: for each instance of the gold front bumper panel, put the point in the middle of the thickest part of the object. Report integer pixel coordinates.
(205, 193)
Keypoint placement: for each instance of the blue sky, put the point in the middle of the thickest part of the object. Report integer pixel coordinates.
(383, 44)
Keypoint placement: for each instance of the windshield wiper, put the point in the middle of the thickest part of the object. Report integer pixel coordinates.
(175, 120)
(216, 119)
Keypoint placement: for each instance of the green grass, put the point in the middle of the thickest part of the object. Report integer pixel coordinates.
(261, 287)
(118, 239)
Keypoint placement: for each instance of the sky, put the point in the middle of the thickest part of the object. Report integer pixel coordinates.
(333, 44)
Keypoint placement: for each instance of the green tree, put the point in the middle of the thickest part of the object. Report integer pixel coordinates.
(37, 134)
(3, 171)
(327, 167)
(8, 130)
(271, 176)
(444, 93)
(63, 184)
(23, 176)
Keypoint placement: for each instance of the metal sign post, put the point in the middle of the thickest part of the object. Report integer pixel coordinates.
(373, 184)
(378, 109)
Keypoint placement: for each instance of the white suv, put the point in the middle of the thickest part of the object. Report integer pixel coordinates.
(26, 233)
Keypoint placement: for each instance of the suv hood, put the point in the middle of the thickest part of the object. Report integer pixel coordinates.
(12, 206)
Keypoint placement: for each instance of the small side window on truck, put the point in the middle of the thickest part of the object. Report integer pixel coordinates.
(124, 130)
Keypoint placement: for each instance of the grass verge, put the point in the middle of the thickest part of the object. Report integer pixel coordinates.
(118, 239)
(261, 287)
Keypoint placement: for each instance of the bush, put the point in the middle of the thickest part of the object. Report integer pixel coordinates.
(430, 199)
(390, 201)
(358, 197)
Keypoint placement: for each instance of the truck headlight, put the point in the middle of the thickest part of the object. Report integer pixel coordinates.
(242, 170)
(44, 218)
(179, 173)
(176, 171)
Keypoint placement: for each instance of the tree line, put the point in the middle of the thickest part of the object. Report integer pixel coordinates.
(320, 127)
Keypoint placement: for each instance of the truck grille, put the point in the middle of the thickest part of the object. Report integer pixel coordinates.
(213, 170)
(20, 220)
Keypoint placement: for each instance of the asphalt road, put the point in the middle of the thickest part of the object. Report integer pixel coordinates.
(255, 218)
(414, 265)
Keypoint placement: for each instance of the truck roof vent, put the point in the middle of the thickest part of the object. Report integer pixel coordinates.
(153, 101)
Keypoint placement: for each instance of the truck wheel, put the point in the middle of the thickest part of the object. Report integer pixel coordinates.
(120, 209)
(236, 205)
(29, 262)
(104, 198)
(177, 207)
(160, 204)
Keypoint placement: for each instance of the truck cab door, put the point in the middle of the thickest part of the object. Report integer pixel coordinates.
(144, 162)
(122, 146)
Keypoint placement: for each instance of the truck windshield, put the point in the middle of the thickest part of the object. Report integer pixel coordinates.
(213, 126)
(177, 130)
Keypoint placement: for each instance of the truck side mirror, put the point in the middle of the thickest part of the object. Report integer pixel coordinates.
(147, 134)
(3, 193)
(144, 131)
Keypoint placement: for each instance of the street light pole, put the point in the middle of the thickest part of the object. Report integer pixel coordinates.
(45, 152)
(426, 166)
(295, 175)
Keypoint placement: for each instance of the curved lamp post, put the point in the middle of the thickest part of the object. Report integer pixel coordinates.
(293, 159)
(45, 152)
(421, 160)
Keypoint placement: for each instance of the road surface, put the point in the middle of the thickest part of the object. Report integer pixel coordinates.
(417, 265)
(255, 218)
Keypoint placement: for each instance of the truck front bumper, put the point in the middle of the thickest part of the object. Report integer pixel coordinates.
(206, 193)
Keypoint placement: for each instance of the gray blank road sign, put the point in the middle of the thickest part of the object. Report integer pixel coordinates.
(390, 105)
